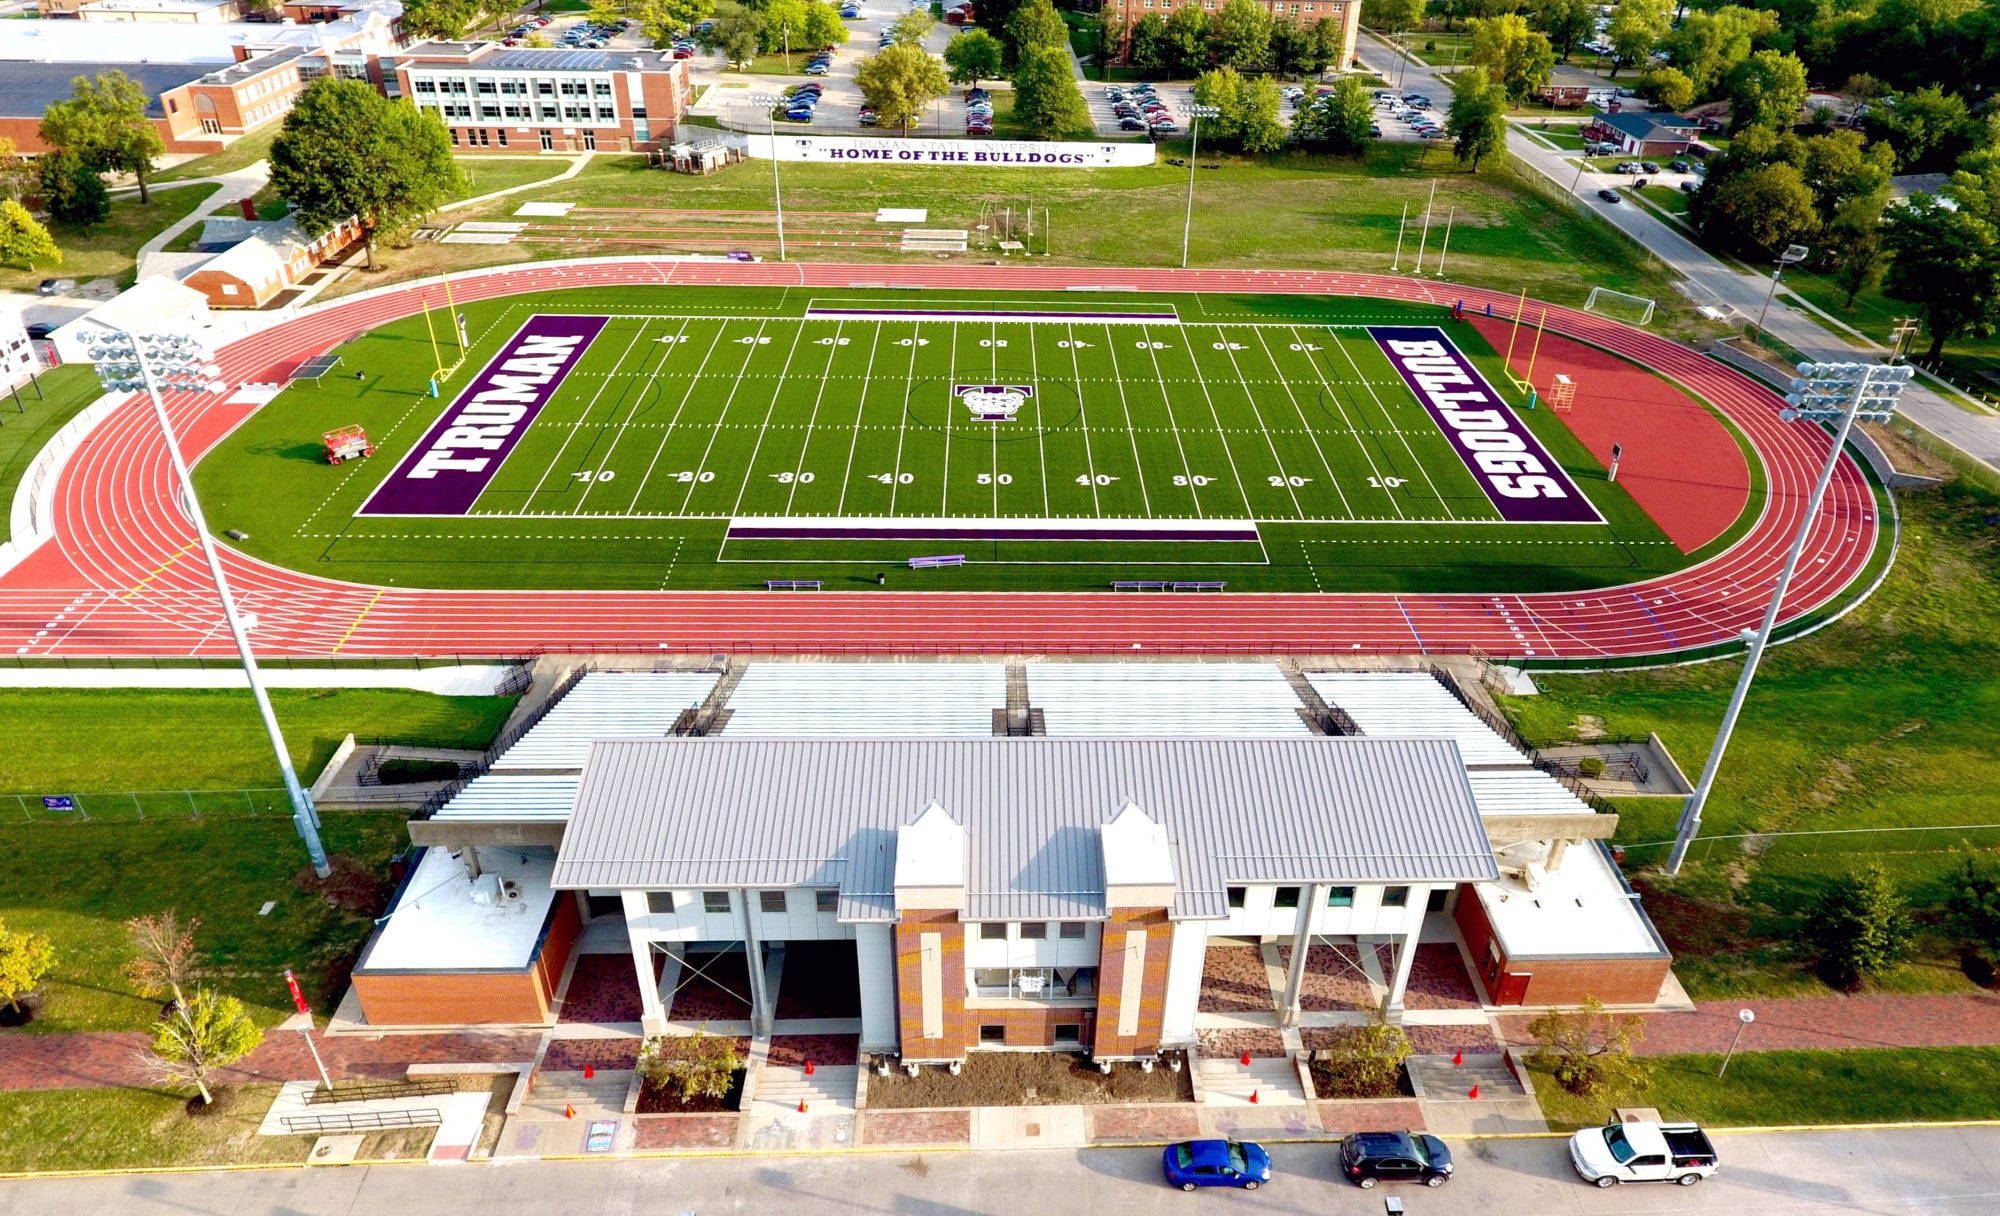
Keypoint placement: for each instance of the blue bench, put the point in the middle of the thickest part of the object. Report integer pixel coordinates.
(1139, 585)
(1197, 585)
(928, 563)
(791, 584)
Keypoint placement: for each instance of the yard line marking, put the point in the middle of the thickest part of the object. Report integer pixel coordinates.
(674, 422)
(556, 459)
(1256, 410)
(1303, 420)
(750, 352)
(903, 417)
(1089, 460)
(777, 391)
(365, 610)
(609, 452)
(1236, 474)
(1422, 468)
(1132, 433)
(1334, 397)
(1041, 425)
(811, 420)
(860, 407)
(944, 499)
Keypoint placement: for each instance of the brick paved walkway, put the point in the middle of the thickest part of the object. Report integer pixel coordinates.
(1831, 1022)
(77, 1061)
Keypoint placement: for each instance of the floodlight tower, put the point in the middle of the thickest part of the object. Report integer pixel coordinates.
(1822, 392)
(1199, 112)
(770, 102)
(128, 363)
(1792, 255)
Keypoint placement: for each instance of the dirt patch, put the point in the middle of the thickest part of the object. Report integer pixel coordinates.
(1906, 456)
(1028, 1078)
(1696, 926)
(1232, 1044)
(1588, 726)
(351, 887)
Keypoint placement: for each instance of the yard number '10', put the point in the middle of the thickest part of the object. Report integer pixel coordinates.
(594, 474)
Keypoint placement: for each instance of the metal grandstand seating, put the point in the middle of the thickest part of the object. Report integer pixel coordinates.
(603, 705)
(512, 797)
(1413, 704)
(866, 700)
(1084, 700)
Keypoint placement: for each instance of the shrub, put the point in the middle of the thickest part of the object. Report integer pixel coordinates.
(1590, 1049)
(1973, 905)
(1365, 1062)
(24, 959)
(198, 1037)
(1591, 766)
(698, 1065)
(405, 771)
(1859, 926)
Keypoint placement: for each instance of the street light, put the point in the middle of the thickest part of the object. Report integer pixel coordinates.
(1792, 255)
(1199, 112)
(770, 103)
(1743, 1019)
(128, 363)
(1822, 392)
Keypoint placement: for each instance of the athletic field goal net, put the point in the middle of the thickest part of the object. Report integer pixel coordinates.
(1631, 309)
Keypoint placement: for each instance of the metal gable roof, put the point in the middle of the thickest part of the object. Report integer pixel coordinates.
(662, 813)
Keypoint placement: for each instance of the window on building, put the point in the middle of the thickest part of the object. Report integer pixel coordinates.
(660, 903)
(1235, 893)
(992, 931)
(1071, 931)
(1286, 897)
(1035, 983)
(1069, 1034)
(771, 901)
(1437, 898)
(548, 139)
(992, 1036)
(545, 88)
(826, 902)
(488, 111)
(590, 141)
(425, 86)
(1034, 931)
(601, 89)
(608, 113)
(715, 902)
(1395, 897)
(1340, 897)
(454, 137)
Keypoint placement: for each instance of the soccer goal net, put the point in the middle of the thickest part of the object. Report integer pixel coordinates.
(1633, 310)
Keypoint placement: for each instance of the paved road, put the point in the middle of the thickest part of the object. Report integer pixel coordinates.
(1718, 283)
(1943, 1172)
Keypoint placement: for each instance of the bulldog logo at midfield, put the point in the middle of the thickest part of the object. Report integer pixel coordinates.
(993, 402)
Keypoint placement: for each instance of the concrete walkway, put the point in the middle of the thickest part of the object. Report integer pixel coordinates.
(1829, 1023)
(240, 184)
(576, 165)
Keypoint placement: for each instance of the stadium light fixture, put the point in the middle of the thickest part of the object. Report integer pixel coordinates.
(130, 363)
(1198, 112)
(770, 102)
(1792, 255)
(1822, 392)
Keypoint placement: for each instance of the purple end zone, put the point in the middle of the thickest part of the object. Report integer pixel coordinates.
(456, 460)
(1513, 468)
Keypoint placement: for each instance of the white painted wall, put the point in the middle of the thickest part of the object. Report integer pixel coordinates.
(1366, 917)
(1184, 981)
(875, 956)
(689, 922)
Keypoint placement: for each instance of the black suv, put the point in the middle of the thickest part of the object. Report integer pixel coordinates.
(1370, 1157)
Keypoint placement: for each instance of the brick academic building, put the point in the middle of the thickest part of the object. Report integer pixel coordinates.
(1347, 13)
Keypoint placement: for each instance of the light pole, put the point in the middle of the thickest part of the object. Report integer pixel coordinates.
(1199, 112)
(770, 104)
(1792, 254)
(130, 362)
(1824, 391)
(1743, 1019)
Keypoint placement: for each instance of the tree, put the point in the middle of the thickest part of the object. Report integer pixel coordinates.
(912, 28)
(663, 19)
(1858, 926)
(1928, 128)
(1859, 253)
(1589, 1050)
(199, 1037)
(440, 19)
(782, 24)
(1239, 36)
(823, 26)
(1248, 112)
(17, 172)
(104, 121)
(690, 1066)
(1035, 23)
(1838, 168)
(1151, 51)
(22, 240)
(345, 151)
(899, 82)
(1364, 1062)
(537, 40)
(1973, 902)
(1767, 89)
(1945, 262)
(1516, 57)
(1046, 99)
(71, 189)
(1187, 41)
(1709, 45)
(1636, 28)
(163, 954)
(974, 56)
(1668, 88)
(1566, 22)
(24, 959)
(1756, 211)
(1342, 119)
(1477, 121)
(737, 32)
(1393, 16)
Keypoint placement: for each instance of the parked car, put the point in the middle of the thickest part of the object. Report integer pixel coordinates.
(817, 68)
(1609, 196)
(1199, 1163)
(1688, 187)
(1627, 166)
(1643, 1152)
(870, 118)
(54, 287)
(1370, 1157)
(41, 329)
(1646, 166)
(1131, 124)
(1678, 166)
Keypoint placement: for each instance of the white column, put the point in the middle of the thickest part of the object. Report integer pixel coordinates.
(1406, 955)
(652, 1014)
(1288, 1014)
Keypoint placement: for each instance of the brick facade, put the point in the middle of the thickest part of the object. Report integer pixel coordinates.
(1630, 980)
(910, 985)
(1159, 933)
(476, 998)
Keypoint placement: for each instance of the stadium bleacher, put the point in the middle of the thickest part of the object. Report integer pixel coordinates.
(866, 700)
(1411, 705)
(606, 705)
(1086, 700)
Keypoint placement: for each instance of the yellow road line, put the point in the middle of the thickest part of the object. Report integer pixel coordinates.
(159, 570)
(365, 610)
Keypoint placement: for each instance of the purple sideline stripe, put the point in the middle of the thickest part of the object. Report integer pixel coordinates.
(806, 530)
(459, 456)
(1504, 457)
(1002, 314)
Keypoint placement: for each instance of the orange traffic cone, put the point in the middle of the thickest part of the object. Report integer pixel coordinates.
(802, 1106)
(1244, 1060)
(809, 1068)
(1253, 1097)
(1474, 1095)
(1457, 1058)
(569, 1112)
(588, 1072)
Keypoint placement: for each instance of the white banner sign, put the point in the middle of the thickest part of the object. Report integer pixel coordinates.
(953, 153)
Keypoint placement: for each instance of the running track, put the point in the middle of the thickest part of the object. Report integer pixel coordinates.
(122, 575)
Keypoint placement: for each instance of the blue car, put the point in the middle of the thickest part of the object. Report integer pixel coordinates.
(803, 114)
(1197, 1163)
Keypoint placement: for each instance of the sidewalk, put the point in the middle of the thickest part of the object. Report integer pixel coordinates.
(1829, 1023)
(111, 1059)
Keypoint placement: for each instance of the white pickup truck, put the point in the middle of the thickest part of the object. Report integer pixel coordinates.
(1642, 1152)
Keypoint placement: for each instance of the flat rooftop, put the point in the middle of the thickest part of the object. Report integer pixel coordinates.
(1583, 907)
(26, 89)
(437, 926)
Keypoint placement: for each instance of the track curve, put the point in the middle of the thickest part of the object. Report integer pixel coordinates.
(122, 574)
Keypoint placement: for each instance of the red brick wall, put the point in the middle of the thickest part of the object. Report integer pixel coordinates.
(1028, 1027)
(476, 998)
(1111, 981)
(910, 985)
(1632, 981)
(564, 929)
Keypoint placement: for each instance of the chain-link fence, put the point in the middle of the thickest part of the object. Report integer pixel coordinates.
(1874, 842)
(132, 806)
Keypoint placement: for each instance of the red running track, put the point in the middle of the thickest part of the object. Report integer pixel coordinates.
(122, 575)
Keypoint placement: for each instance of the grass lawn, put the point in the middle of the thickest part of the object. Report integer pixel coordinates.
(78, 883)
(485, 174)
(1889, 717)
(79, 741)
(66, 391)
(1779, 1088)
(1671, 199)
(110, 249)
(1561, 137)
(240, 154)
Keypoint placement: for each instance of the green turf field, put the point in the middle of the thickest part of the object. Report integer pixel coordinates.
(693, 408)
